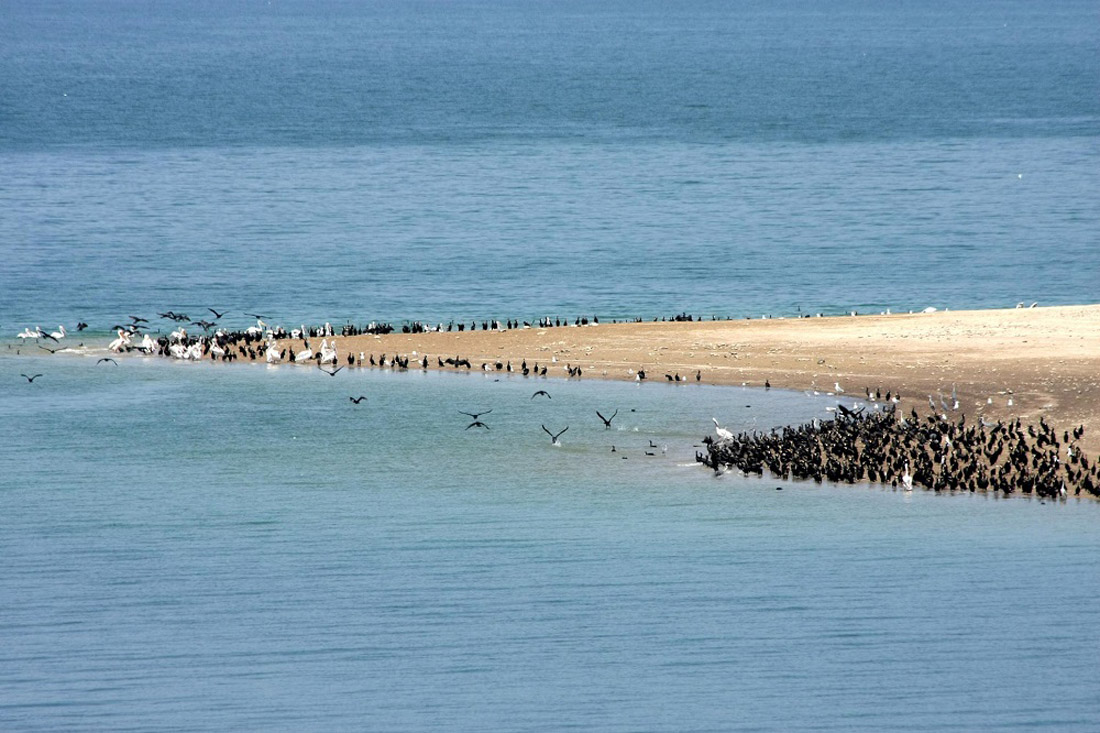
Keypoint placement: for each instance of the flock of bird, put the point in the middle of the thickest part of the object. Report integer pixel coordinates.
(932, 452)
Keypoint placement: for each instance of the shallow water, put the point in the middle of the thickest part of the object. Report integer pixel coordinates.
(215, 547)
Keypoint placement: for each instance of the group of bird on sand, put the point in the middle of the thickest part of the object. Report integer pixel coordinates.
(932, 452)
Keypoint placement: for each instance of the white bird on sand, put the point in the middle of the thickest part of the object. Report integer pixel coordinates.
(907, 478)
(148, 345)
(304, 355)
(121, 342)
(838, 388)
(722, 433)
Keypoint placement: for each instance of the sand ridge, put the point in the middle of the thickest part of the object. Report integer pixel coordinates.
(1045, 360)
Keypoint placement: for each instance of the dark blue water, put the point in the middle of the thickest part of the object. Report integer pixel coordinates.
(314, 161)
(204, 548)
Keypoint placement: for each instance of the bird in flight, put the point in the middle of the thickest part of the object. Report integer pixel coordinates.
(217, 315)
(262, 318)
(554, 438)
(475, 415)
(477, 424)
(607, 420)
(358, 399)
(541, 392)
(47, 348)
(326, 371)
(107, 358)
(30, 379)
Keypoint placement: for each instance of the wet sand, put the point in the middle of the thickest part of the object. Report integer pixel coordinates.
(1046, 361)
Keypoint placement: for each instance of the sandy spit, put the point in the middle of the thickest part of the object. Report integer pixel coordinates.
(1022, 362)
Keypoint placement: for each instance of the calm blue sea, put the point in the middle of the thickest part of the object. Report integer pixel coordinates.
(201, 547)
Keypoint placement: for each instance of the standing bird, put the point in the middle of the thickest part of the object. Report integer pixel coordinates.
(554, 438)
(838, 388)
(607, 420)
(722, 433)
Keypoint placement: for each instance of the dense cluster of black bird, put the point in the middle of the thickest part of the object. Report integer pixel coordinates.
(930, 452)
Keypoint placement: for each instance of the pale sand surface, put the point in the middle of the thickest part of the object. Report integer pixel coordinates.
(1047, 360)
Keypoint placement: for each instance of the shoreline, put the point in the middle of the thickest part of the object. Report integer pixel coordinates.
(1046, 361)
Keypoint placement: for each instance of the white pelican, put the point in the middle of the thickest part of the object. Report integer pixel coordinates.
(723, 434)
(58, 334)
(328, 353)
(273, 355)
(304, 355)
(121, 342)
(907, 478)
(27, 333)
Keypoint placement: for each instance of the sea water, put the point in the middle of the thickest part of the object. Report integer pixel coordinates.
(208, 546)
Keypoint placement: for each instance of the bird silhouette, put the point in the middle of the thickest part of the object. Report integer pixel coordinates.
(607, 420)
(477, 424)
(107, 358)
(541, 392)
(217, 316)
(358, 399)
(330, 373)
(475, 415)
(47, 348)
(553, 437)
(30, 379)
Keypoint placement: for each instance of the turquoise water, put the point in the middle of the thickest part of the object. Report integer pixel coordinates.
(213, 547)
(209, 548)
